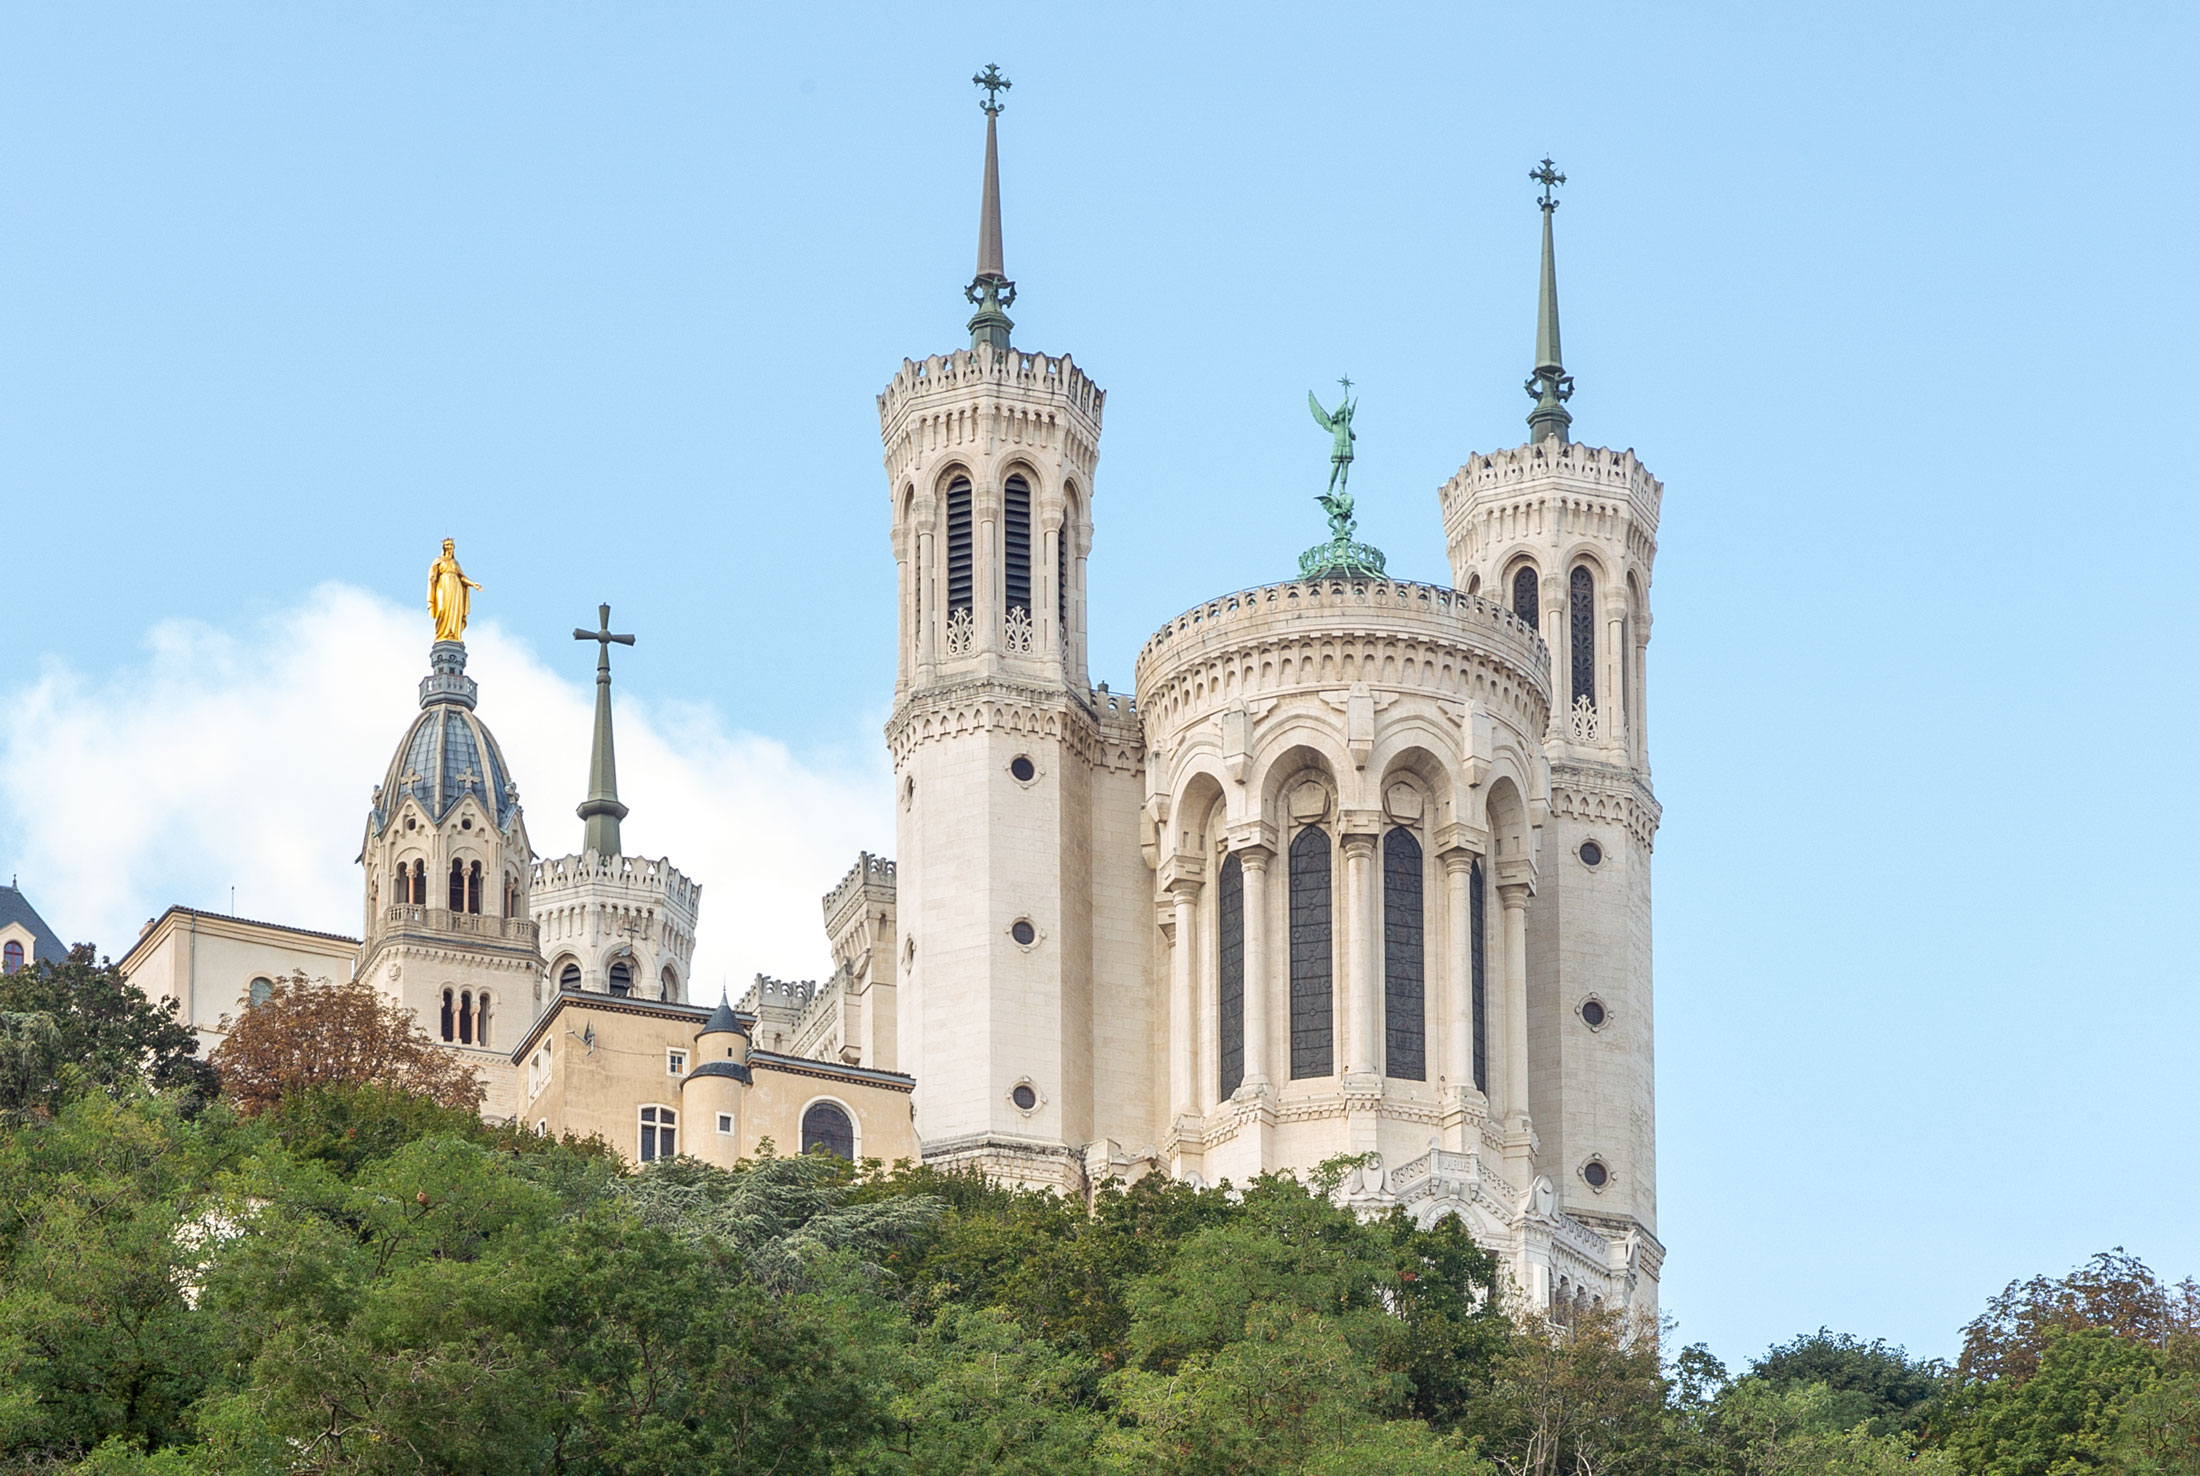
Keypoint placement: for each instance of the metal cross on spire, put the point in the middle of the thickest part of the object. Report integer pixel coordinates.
(1346, 381)
(994, 84)
(1546, 176)
(602, 810)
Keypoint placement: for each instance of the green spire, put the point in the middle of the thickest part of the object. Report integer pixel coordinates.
(1550, 386)
(602, 809)
(990, 289)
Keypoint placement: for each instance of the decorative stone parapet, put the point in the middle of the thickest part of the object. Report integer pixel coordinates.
(980, 396)
(870, 880)
(407, 918)
(1547, 490)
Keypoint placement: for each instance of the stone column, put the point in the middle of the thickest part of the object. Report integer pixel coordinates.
(1559, 638)
(1514, 896)
(1184, 894)
(927, 602)
(1361, 1010)
(1613, 688)
(1257, 982)
(987, 606)
(1458, 1036)
(1043, 594)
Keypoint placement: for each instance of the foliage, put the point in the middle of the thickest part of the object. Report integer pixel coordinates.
(2113, 1291)
(307, 1034)
(357, 1278)
(103, 1029)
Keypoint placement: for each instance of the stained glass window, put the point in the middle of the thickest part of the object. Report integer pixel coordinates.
(1016, 543)
(1524, 598)
(1230, 972)
(959, 567)
(1313, 1022)
(826, 1129)
(1405, 1028)
(1478, 966)
(1581, 614)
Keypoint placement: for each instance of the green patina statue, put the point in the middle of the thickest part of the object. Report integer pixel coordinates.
(1340, 557)
(1337, 501)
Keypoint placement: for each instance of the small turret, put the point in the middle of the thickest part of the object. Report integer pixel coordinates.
(712, 1092)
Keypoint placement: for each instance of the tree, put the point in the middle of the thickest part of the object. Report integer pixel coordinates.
(103, 1027)
(2113, 1291)
(1589, 1400)
(2064, 1419)
(306, 1035)
(1871, 1383)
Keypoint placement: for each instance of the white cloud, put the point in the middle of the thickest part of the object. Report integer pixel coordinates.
(246, 759)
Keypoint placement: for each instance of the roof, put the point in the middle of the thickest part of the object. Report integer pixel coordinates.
(447, 754)
(46, 945)
(615, 1004)
(152, 929)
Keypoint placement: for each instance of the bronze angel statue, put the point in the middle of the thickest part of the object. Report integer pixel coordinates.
(1337, 501)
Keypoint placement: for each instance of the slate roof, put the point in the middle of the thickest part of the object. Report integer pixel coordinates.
(45, 944)
(446, 755)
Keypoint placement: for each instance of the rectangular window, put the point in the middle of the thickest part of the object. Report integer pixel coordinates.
(725, 1123)
(657, 1134)
(1313, 1013)
(1405, 1028)
(1230, 974)
(676, 1062)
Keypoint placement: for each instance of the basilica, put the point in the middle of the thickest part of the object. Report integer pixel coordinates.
(1359, 872)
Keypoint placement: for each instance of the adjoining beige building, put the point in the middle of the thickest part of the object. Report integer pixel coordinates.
(653, 1078)
(215, 965)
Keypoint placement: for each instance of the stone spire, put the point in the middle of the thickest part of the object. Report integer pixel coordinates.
(1550, 386)
(602, 809)
(990, 289)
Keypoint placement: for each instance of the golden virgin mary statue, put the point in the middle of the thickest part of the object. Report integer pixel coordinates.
(448, 596)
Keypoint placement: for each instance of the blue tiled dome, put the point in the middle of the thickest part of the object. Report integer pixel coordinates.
(447, 754)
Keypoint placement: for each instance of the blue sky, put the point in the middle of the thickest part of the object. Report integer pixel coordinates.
(1898, 299)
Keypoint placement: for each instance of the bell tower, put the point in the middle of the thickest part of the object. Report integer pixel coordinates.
(1564, 535)
(989, 456)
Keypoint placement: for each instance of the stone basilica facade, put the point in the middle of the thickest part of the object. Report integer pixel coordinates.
(1363, 871)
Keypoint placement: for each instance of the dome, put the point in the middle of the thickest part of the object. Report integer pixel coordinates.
(448, 752)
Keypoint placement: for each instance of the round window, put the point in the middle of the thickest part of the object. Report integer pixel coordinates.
(467, 823)
(1591, 853)
(1596, 1174)
(1023, 932)
(1023, 768)
(1592, 1011)
(1024, 1097)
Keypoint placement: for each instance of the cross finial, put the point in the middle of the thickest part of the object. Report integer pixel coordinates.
(1546, 176)
(994, 84)
(1346, 381)
(602, 636)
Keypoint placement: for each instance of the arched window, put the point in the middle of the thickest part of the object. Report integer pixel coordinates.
(671, 983)
(481, 1022)
(473, 888)
(1524, 597)
(458, 886)
(622, 978)
(658, 1124)
(511, 895)
(960, 570)
(1016, 543)
(420, 884)
(466, 1018)
(11, 956)
(570, 976)
(1230, 971)
(1478, 967)
(1061, 580)
(1313, 1018)
(258, 991)
(1581, 619)
(827, 1129)
(450, 1017)
(1405, 1015)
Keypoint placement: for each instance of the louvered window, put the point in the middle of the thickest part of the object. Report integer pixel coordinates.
(1016, 543)
(1524, 598)
(1230, 972)
(1061, 582)
(1581, 616)
(1405, 1029)
(959, 567)
(1313, 1022)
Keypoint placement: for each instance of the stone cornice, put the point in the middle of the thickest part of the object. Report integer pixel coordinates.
(1607, 794)
(988, 402)
(998, 705)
